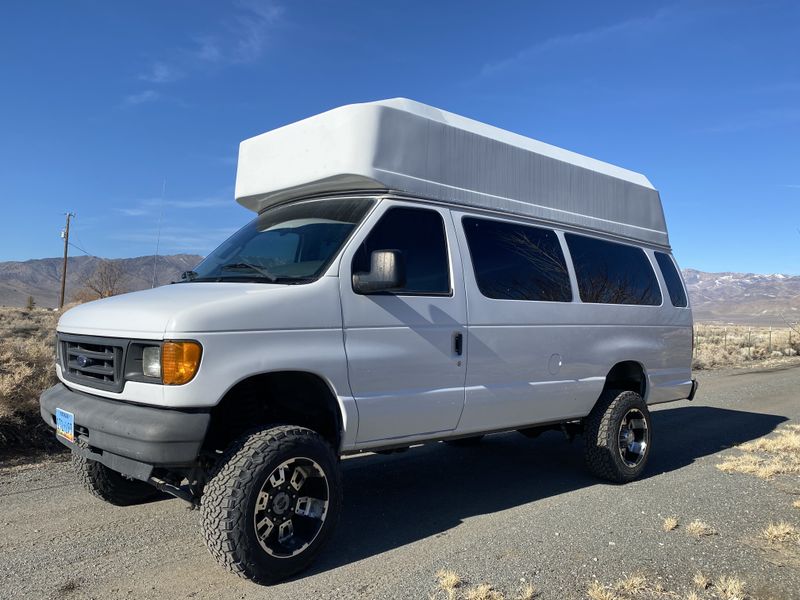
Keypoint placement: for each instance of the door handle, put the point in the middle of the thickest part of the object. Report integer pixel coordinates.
(458, 343)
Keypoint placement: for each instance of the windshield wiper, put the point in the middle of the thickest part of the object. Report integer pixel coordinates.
(243, 265)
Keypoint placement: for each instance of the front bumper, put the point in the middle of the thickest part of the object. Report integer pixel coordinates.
(123, 435)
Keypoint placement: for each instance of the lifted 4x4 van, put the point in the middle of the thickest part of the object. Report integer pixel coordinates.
(410, 276)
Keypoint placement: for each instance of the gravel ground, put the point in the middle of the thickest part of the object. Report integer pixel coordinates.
(511, 510)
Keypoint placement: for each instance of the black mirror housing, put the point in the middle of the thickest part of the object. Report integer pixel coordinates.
(387, 272)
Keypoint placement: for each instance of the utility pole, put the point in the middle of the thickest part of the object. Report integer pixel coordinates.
(65, 235)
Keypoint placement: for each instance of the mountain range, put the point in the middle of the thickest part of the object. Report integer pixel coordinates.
(747, 298)
(41, 278)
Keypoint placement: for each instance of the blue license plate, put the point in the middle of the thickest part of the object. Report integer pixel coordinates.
(65, 424)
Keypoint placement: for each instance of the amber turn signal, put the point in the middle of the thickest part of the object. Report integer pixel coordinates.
(179, 362)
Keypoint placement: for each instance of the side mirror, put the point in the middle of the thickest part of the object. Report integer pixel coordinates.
(387, 272)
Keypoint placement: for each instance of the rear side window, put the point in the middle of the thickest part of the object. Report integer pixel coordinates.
(419, 235)
(673, 280)
(611, 273)
(517, 262)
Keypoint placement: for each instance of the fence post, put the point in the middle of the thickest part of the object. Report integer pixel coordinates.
(725, 340)
(749, 344)
(769, 345)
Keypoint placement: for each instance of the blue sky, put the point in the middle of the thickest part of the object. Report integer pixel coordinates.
(100, 102)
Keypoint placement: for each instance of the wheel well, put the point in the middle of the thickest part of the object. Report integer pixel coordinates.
(285, 397)
(628, 375)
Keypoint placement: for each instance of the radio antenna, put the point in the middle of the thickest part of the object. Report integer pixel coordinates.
(158, 236)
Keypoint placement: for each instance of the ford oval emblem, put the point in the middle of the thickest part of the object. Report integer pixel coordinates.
(82, 360)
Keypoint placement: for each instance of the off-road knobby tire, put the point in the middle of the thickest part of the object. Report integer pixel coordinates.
(601, 431)
(109, 485)
(465, 442)
(229, 500)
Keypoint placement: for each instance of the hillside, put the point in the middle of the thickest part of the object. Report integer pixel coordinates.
(746, 298)
(41, 278)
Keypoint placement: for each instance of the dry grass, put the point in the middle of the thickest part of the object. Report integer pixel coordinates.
(796, 503)
(730, 587)
(778, 454)
(699, 529)
(632, 587)
(780, 532)
(26, 369)
(670, 523)
(527, 592)
(26, 357)
(448, 581)
(734, 346)
(598, 591)
(483, 591)
(632, 584)
(701, 581)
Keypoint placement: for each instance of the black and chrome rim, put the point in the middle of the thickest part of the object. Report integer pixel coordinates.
(291, 507)
(634, 438)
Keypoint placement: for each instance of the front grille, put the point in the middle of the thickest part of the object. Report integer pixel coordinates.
(95, 362)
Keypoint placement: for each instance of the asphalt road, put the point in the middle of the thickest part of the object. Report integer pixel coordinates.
(509, 510)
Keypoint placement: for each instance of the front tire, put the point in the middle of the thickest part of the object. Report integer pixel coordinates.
(110, 486)
(271, 503)
(617, 436)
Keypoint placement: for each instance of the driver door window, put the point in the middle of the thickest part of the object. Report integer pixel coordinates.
(419, 235)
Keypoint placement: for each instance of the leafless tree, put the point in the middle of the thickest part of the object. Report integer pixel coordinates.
(106, 280)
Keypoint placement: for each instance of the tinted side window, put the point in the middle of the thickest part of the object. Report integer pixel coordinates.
(673, 280)
(611, 273)
(419, 235)
(517, 262)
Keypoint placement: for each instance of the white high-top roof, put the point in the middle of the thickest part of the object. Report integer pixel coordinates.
(404, 146)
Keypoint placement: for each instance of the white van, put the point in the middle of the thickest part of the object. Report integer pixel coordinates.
(411, 276)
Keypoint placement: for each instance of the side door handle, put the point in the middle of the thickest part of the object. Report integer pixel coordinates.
(458, 343)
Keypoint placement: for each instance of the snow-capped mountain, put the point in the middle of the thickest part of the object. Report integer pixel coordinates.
(744, 297)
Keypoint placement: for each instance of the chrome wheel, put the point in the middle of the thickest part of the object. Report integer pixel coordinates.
(291, 507)
(633, 438)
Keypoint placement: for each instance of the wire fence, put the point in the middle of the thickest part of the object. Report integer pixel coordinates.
(721, 345)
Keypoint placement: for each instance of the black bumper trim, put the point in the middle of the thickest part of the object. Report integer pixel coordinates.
(150, 435)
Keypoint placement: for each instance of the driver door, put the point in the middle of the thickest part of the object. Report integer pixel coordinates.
(406, 349)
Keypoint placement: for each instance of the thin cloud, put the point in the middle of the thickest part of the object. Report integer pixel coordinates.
(252, 27)
(241, 39)
(200, 203)
(179, 239)
(133, 212)
(759, 119)
(146, 207)
(576, 40)
(161, 73)
(142, 97)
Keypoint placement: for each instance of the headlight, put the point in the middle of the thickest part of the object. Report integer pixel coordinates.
(151, 361)
(179, 362)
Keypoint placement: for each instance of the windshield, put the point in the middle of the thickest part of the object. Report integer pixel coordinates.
(286, 244)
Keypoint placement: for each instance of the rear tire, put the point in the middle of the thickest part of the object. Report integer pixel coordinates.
(617, 436)
(110, 486)
(271, 503)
